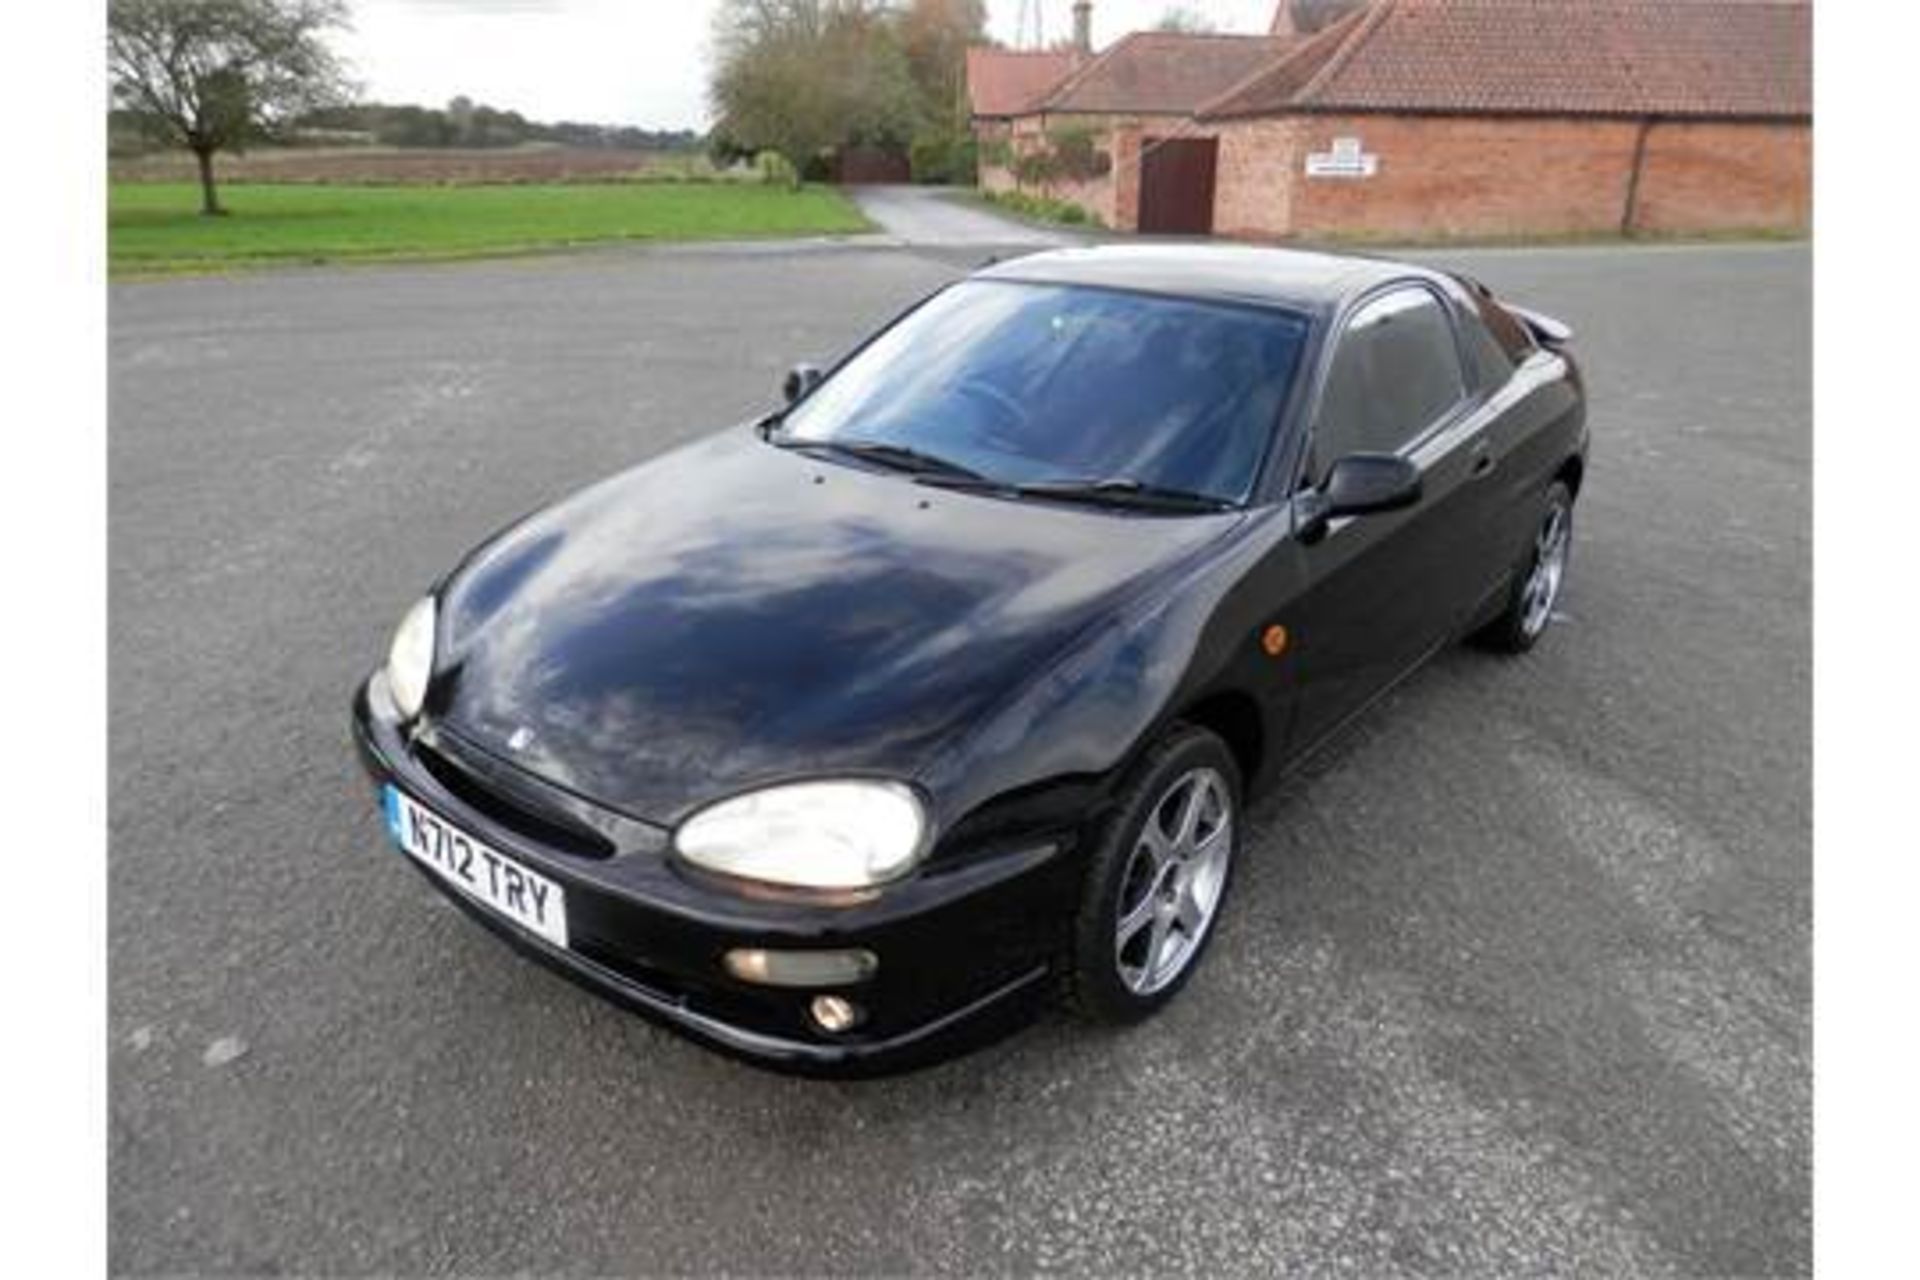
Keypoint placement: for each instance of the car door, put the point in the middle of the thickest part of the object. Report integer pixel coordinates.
(1382, 591)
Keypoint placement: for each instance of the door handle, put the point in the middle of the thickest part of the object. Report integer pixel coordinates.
(1482, 465)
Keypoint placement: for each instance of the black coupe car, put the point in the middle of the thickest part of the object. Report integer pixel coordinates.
(837, 737)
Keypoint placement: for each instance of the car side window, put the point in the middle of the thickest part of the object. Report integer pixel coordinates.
(1395, 372)
(1490, 362)
(1507, 331)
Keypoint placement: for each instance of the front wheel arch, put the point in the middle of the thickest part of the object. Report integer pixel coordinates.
(1234, 716)
(1093, 981)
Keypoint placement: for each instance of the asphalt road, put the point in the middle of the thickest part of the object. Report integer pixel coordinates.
(1516, 977)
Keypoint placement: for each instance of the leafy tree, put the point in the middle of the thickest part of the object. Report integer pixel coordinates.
(414, 126)
(460, 114)
(935, 35)
(213, 75)
(411, 126)
(1318, 15)
(804, 76)
(1185, 19)
(945, 157)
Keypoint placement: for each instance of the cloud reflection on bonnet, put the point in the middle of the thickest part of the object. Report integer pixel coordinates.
(664, 649)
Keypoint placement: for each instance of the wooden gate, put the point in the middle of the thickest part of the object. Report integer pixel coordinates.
(1176, 185)
(858, 165)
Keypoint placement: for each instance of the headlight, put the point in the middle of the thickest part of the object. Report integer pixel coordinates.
(820, 835)
(410, 658)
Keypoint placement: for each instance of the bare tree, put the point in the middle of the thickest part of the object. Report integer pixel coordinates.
(212, 75)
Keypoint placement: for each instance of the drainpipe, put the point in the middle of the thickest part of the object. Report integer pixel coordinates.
(1631, 212)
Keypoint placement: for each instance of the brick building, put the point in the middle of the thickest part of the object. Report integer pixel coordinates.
(1131, 110)
(1442, 117)
(1004, 84)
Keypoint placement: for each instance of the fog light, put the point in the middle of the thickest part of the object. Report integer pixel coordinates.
(801, 968)
(834, 1014)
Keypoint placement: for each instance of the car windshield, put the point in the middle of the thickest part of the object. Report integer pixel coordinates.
(1036, 384)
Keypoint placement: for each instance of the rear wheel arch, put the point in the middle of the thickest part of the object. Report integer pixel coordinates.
(1524, 610)
(1571, 473)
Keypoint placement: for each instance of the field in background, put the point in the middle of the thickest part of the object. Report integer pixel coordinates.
(155, 227)
(414, 165)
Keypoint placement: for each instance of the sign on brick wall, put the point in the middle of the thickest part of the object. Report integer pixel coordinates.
(1344, 159)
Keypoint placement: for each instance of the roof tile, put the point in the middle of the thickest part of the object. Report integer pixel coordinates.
(1749, 58)
(1007, 82)
(1164, 72)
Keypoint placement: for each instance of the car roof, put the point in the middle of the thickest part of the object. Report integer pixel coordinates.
(1303, 280)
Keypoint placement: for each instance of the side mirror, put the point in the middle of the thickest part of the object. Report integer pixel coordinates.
(1361, 484)
(801, 379)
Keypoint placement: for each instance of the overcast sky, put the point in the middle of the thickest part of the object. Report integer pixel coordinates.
(623, 61)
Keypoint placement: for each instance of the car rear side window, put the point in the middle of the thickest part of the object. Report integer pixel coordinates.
(1489, 362)
(1506, 330)
(1395, 372)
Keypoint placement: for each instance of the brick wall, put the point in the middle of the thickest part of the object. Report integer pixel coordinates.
(1719, 177)
(1095, 195)
(989, 133)
(1114, 197)
(1253, 178)
(1468, 176)
(1473, 176)
(1123, 144)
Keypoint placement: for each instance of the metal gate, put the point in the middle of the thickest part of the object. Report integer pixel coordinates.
(1176, 185)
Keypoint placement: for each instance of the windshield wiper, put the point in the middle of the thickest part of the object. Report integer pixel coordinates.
(965, 481)
(1114, 492)
(1123, 492)
(900, 457)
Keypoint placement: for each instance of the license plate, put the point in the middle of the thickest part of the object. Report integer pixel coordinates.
(484, 874)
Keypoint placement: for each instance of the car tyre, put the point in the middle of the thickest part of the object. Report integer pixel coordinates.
(1156, 879)
(1538, 581)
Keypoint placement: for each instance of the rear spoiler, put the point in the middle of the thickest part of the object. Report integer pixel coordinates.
(1547, 331)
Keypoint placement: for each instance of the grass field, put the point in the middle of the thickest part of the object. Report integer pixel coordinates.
(155, 227)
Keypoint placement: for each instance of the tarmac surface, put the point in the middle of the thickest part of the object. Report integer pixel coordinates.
(1515, 976)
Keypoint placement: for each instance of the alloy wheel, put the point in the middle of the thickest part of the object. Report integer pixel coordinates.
(1174, 880)
(1549, 570)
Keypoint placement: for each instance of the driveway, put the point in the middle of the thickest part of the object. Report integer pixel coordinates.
(1516, 977)
(937, 218)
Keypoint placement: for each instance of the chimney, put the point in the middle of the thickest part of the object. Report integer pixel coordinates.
(1083, 27)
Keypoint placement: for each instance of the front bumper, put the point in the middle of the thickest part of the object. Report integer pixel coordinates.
(964, 945)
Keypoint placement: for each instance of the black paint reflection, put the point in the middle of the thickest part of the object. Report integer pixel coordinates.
(663, 645)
